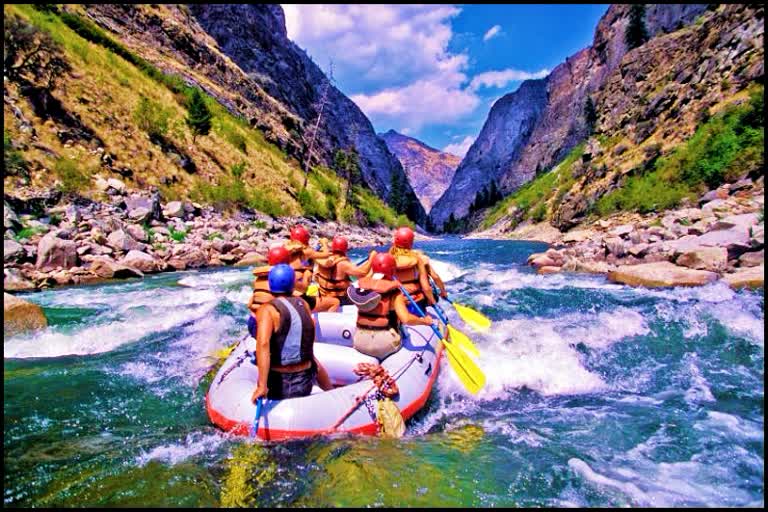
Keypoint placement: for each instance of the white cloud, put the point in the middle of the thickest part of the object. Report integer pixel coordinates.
(492, 32)
(503, 77)
(460, 148)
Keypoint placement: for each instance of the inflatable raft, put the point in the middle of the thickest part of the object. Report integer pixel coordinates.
(414, 367)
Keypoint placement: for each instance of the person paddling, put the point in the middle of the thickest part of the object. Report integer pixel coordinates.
(285, 337)
(382, 309)
(414, 269)
(333, 273)
(261, 293)
(302, 259)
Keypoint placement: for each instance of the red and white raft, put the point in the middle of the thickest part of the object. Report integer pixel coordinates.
(415, 367)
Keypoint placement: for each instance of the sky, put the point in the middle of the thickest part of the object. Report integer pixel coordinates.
(433, 71)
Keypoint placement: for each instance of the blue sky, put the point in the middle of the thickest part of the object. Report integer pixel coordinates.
(433, 71)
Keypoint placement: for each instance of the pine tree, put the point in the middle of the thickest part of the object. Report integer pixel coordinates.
(198, 117)
(636, 33)
(397, 198)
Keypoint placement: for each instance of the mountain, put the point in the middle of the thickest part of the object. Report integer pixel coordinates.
(532, 129)
(240, 55)
(429, 170)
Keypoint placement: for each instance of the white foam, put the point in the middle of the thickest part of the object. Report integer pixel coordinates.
(727, 425)
(699, 389)
(447, 271)
(194, 444)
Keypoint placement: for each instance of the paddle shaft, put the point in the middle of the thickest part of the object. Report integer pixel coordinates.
(259, 403)
(416, 307)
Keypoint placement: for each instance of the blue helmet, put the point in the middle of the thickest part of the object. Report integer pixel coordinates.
(281, 278)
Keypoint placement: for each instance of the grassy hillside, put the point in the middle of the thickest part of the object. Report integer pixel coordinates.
(114, 103)
(725, 145)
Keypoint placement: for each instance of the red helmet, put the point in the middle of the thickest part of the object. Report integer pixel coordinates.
(384, 263)
(300, 234)
(404, 237)
(339, 244)
(277, 255)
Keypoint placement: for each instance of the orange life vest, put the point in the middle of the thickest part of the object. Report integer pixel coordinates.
(330, 279)
(261, 293)
(383, 315)
(407, 272)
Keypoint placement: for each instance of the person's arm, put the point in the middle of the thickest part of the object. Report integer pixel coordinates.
(405, 316)
(323, 379)
(311, 254)
(351, 269)
(424, 282)
(265, 328)
(438, 281)
(303, 282)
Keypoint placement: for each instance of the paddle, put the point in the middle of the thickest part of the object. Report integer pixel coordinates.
(470, 375)
(473, 318)
(461, 339)
(259, 402)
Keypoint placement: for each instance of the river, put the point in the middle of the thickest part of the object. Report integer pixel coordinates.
(597, 395)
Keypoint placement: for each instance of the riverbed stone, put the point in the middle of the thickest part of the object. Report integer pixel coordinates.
(714, 259)
(251, 258)
(122, 241)
(53, 252)
(21, 316)
(14, 281)
(12, 251)
(660, 274)
(140, 261)
(108, 268)
(752, 259)
(752, 277)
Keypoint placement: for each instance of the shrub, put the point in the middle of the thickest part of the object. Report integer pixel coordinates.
(178, 236)
(29, 232)
(73, 178)
(30, 55)
(238, 169)
(13, 163)
(199, 116)
(152, 117)
(259, 224)
(214, 235)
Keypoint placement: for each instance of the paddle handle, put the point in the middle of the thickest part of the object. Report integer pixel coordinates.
(259, 403)
(417, 308)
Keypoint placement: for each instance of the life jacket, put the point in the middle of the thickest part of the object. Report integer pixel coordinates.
(332, 281)
(292, 343)
(261, 293)
(383, 315)
(407, 272)
(297, 261)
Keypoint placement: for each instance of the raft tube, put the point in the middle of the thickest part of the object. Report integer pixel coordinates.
(415, 367)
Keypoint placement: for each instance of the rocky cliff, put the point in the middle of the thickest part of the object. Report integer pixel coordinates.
(554, 127)
(241, 55)
(429, 170)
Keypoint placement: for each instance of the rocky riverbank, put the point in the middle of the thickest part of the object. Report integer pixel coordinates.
(721, 237)
(50, 241)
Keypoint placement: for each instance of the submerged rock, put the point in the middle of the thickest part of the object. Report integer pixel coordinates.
(21, 316)
(752, 277)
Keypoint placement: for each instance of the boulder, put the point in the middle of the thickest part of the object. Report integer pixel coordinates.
(717, 204)
(174, 209)
(548, 269)
(107, 268)
(10, 220)
(140, 214)
(136, 232)
(736, 240)
(615, 246)
(115, 184)
(757, 236)
(251, 258)
(21, 316)
(714, 259)
(54, 252)
(752, 277)
(13, 251)
(744, 220)
(13, 281)
(623, 230)
(177, 264)
(577, 235)
(122, 241)
(140, 261)
(752, 259)
(194, 258)
(660, 274)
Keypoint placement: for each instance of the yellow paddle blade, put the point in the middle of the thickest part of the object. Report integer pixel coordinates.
(223, 353)
(313, 290)
(463, 341)
(473, 318)
(470, 375)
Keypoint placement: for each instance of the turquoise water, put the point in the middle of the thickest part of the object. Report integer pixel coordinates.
(597, 395)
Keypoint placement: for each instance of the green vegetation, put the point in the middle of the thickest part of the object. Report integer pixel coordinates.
(214, 235)
(590, 114)
(532, 198)
(231, 192)
(178, 236)
(13, 162)
(259, 224)
(376, 211)
(30, 55)
(29, 232)
(488, 196)
(152, 118)
(199, 116)
(238, 169)
(723, 148)
(636, 33)
(72, 176)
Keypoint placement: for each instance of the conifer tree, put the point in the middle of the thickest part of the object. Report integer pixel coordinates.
(636, 33)
(198, 117)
